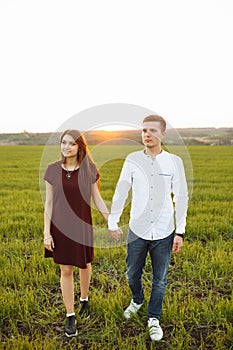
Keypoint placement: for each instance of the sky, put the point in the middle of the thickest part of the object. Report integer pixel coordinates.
(59, 58)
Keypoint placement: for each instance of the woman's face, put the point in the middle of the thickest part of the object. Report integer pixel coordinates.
(69, 148)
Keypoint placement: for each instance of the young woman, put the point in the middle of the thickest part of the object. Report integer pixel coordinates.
(68, 231)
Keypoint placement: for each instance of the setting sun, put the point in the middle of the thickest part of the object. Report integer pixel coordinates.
(115, 127)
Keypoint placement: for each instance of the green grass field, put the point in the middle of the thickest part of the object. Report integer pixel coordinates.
(198, 305)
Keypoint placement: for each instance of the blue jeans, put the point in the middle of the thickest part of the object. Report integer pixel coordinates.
(160, 253)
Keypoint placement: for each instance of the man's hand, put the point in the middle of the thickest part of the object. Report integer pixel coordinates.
(177, 244)
(115, 234)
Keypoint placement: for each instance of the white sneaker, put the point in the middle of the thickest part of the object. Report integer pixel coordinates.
(131, 309)
(156, 332)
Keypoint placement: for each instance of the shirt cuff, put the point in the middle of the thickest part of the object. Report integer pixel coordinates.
(112, 225)
(180, 235)
(113, 228)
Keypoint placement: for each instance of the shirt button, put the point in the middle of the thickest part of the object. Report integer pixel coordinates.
(151, 187)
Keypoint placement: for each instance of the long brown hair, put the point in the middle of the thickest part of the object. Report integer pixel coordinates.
(86, 164)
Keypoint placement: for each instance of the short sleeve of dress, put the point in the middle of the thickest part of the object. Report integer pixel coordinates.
(94, 173)
(49, 175)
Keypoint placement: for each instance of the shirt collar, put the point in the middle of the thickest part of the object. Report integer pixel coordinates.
(149, 156)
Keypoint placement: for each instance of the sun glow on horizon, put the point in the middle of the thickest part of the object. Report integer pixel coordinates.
(116, 127)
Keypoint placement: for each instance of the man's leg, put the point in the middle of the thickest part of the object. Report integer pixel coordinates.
(136, 256)
(160, 252)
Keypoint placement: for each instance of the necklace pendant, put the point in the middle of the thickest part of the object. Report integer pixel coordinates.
(69, 172)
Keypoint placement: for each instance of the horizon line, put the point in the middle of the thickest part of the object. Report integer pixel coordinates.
(114, 130)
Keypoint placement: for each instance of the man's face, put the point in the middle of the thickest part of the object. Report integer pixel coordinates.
(152, 135)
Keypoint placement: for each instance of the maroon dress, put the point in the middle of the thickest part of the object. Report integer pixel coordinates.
(71, 222)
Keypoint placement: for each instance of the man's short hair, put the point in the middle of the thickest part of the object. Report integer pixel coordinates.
(156, 118)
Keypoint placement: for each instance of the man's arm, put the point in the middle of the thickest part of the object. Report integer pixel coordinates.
(118, 201)
(180, 199)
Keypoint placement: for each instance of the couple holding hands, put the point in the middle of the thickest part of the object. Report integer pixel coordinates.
(157, 218)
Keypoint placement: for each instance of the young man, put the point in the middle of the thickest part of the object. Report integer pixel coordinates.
(157, 217)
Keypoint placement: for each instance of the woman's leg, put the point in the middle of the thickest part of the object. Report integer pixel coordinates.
(85, 279)
(67, 287)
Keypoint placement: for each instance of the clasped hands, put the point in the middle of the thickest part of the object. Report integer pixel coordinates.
(115, 234)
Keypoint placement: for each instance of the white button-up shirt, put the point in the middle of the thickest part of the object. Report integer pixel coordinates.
(159, 195)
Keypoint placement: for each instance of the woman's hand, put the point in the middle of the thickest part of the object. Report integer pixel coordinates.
(49, 243)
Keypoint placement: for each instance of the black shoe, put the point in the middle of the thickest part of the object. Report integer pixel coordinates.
(85, 310)
(70, 328)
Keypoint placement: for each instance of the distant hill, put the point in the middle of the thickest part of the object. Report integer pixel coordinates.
(189, 136)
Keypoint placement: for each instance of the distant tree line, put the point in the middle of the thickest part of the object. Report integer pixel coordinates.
(188, 136)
